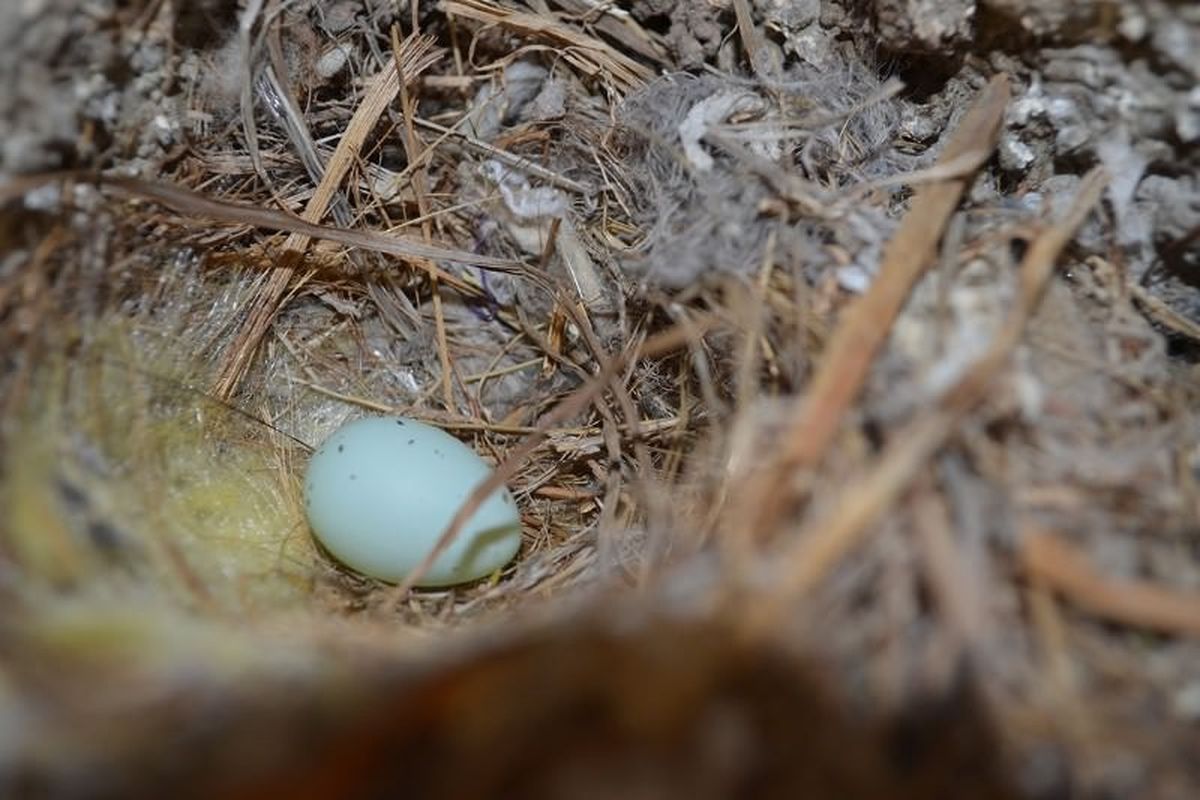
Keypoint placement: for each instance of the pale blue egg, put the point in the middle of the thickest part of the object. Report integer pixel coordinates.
(381, 490)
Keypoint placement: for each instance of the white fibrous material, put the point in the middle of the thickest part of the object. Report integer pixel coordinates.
(707, 114)
(520, 198)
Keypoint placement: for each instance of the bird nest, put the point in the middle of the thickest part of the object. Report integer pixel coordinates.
(846, 467)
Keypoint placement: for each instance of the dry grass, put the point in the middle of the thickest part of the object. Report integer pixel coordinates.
(972, 468)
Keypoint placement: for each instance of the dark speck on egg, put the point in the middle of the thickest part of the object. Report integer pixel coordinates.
(341, 448)
(353, 477)
(410, 441)
(400, 422)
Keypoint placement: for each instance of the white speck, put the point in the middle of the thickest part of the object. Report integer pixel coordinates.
(853, 279)
(332, 61)
(1187, 701)
(1015, 155)
(1187, 117)
(43, 198)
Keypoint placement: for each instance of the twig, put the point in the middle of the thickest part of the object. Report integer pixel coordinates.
(958, 597)
(752, 43)
(509, 159)
(1064, 568)
(413, 154)
(1061, 682)
(619, 25)
(824, 541)
(185, 201)
(380, 93)
(866, 323)
(664, 342)
(289, 116)
(586, 53)
(246, 96)
(1163, 314)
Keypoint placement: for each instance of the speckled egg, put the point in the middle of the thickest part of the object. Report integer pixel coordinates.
(381, 490)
